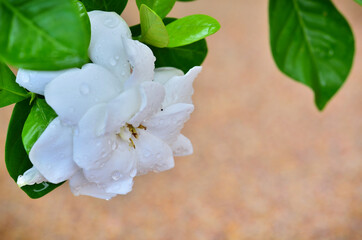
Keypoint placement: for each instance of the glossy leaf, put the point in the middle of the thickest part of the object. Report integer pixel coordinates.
(190, 29)
(44, 34)
(16, 158)
(312, 43)
(153, 31)
(39, 118)
(136, 29)
(10, 91)
(105, 5)
(161, 7)
(183, 58)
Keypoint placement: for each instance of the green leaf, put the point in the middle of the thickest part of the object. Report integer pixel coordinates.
(105, 5)
(190, 29)
(16, 158)
(161, 7)
(10, 91)
(38, 120)
(358, 1)
(312, 43)
(153, 30)
(44, 34)
(185, 0)
(183, 58)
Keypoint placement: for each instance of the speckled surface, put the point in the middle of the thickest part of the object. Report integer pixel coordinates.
(267, 164)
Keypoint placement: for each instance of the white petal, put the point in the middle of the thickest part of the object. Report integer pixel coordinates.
(153, 154)
(52, 153)
(74, 92)
(35, 81)
(116, 176)
(142, 60)
(79, 185)
(106, 46)
(179, 88)
(152, 94)
(167, 124)
(95, 137)
(92, 147)
(30, 177)
(163, 74)
(121, 109)
(182, 146)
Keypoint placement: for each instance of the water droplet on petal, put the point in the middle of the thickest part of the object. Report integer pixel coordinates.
(113, 62)
(146, 153)
(84, 89)
(116, 175)
(133, 173)
(26, 78)
(111, 22)
(114, 146)
(104, 154)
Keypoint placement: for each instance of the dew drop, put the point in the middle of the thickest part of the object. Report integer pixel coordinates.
(26, 78)
(113, 62)
(116, 175)
(111, 22)
(104, 154)
(114, 146)
(146, 153)
(133, 173)
(84, 89)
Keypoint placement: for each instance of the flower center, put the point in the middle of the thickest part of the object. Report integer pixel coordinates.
(129, 133)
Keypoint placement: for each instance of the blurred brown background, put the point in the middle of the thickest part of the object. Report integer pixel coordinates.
(267, 164)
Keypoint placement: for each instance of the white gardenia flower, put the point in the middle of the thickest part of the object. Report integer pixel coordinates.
(118, 117)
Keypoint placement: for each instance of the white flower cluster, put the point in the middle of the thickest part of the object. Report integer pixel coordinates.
(118, 117)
